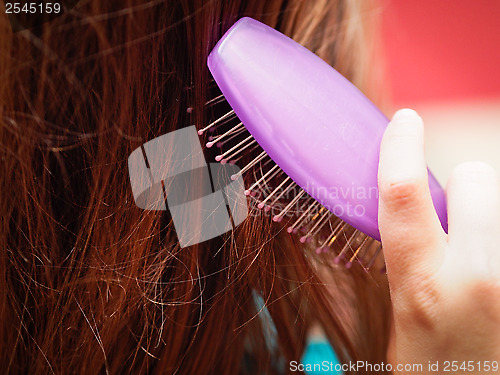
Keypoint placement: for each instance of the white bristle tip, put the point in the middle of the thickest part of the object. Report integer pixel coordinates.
(289, 229)
(234, 177)
(247, 192)
(277, 219)
(209, 144)
(218, 158)
(200, 132)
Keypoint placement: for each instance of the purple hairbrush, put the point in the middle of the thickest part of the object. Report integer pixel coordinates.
(313, 123)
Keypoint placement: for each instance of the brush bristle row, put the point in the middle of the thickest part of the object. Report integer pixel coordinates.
(273, 192)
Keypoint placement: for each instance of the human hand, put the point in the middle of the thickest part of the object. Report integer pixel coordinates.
(445, 289)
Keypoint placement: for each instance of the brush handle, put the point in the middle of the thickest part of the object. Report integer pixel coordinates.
(316, 125)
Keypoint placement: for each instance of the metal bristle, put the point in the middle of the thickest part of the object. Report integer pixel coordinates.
(269, 174)
(346, 247)
(235, 150)
(284, 211)
(322, 220)
(231, 133)
(303, 218)
(356, 253)
(261, 156)
(221, 120)
(218, 99)
(263, 203)
(374, 257)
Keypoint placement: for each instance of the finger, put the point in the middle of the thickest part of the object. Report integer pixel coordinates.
(411, 233)
(473, 194)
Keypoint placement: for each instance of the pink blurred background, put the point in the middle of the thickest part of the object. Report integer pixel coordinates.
(442, 58)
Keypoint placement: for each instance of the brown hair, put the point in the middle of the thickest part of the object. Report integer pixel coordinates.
(90, 283)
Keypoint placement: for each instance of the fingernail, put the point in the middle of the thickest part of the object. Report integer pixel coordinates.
(405, 113)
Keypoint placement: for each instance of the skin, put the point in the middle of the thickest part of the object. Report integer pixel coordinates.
(445, 289)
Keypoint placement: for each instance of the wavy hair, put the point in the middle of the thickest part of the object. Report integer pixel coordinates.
(89, 283)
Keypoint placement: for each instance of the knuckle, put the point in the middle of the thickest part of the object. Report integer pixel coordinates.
(476, 296)
(401, 193)
(484, 295)
(420, 305)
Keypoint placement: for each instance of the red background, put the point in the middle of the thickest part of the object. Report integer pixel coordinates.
(441, 50)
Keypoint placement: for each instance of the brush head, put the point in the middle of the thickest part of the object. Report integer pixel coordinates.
(316, 125)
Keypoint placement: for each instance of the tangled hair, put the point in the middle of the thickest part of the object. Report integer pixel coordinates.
(89, 283)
